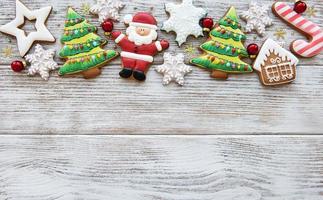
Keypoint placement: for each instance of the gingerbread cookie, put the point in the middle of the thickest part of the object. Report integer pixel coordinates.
(107, 9)
(184, 20)
(82, 48)
(139, 45)
(301, 48)
(224, 50)
(41, 62)
(257, 18)
(42, 34)
(174, 69)
(275, 65)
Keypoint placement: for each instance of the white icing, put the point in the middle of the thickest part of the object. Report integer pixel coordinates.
(42, 62)
(136, 56)
(174, 69)
(42, 34)
(272, 46)
(257, 18)
(107, 9)
(184, 20)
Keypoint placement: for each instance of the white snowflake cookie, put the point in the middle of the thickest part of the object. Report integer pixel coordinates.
(41, 34)
(41, 62)
(257, 18)
(184, 20)
(107, 9)
(174, 69)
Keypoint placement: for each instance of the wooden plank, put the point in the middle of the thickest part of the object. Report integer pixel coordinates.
(216, 9)
(154, 168)
(111, 105)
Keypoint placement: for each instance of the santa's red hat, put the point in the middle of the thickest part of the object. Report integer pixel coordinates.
(141, 19)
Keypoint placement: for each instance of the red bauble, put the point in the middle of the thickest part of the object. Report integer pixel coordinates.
(207, 23)
(107, 26)
(17, 66)
(253, 49)
(300, 7)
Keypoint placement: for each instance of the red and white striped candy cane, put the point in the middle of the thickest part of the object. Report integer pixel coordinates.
(313, 31)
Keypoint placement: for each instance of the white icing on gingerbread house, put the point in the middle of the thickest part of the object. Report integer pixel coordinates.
(269, 47)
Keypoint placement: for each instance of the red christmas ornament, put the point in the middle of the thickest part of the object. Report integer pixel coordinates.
(107, 26)
(207, 23)
(253, 50)
(300, 7)
(17, 66)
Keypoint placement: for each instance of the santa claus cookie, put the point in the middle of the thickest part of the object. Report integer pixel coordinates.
(138, 45)
(275, 65)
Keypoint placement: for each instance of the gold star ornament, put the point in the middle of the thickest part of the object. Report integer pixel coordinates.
(311, 11)
(7, 52)
(280, 34)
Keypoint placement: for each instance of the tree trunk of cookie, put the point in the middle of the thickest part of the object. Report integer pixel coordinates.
(219, 74)
(91, 73)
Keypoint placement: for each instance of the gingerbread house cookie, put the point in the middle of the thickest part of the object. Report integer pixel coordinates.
(275, 65)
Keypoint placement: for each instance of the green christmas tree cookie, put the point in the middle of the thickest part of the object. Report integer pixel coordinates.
(82, 48)
(224, 49)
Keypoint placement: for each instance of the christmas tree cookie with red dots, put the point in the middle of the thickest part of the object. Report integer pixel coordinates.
(224, 49)
(82, 48)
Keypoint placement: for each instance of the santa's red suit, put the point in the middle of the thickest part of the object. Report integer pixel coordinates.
(138, 57)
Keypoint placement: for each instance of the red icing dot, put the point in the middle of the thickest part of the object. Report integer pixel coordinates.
(207, 23)
(300, 7)
(253, 49)
(17, 66)
(107, 26)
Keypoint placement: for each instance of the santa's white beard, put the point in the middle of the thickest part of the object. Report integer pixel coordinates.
(133, 36)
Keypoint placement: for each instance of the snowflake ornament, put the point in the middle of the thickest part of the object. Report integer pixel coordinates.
(41, 62)
(107, 9)
(257, 18)
(174, 69)
(184, 20)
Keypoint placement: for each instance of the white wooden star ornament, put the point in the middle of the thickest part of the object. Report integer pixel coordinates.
(257, 18)
(184, 20)
(174, 69)
(41, 62)
(107, 9)
(42, 33)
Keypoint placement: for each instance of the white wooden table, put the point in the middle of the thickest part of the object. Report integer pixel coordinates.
(109, 138)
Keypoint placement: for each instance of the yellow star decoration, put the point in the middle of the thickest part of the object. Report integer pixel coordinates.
(7, 52)
(190, 49)
(311, 11)
(85, 8)
(280, 34)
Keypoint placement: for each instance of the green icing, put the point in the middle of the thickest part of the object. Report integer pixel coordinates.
(81, 48)
(77, 67)
(71, 14)
(236, 37)
(77, 33)
(73, 22)
(224, 59)
(231, 16)
(227, 50)
(205, 63)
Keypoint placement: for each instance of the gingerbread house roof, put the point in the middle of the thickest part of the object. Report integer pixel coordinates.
(272, 46)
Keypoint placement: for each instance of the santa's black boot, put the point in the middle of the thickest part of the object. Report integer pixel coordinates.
(125, 73)
(139, 76)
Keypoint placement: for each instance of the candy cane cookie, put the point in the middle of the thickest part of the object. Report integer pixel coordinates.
(301, 48)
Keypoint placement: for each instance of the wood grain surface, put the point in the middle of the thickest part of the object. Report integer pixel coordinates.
(109, 105)
(161, 167)
(62, 139)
